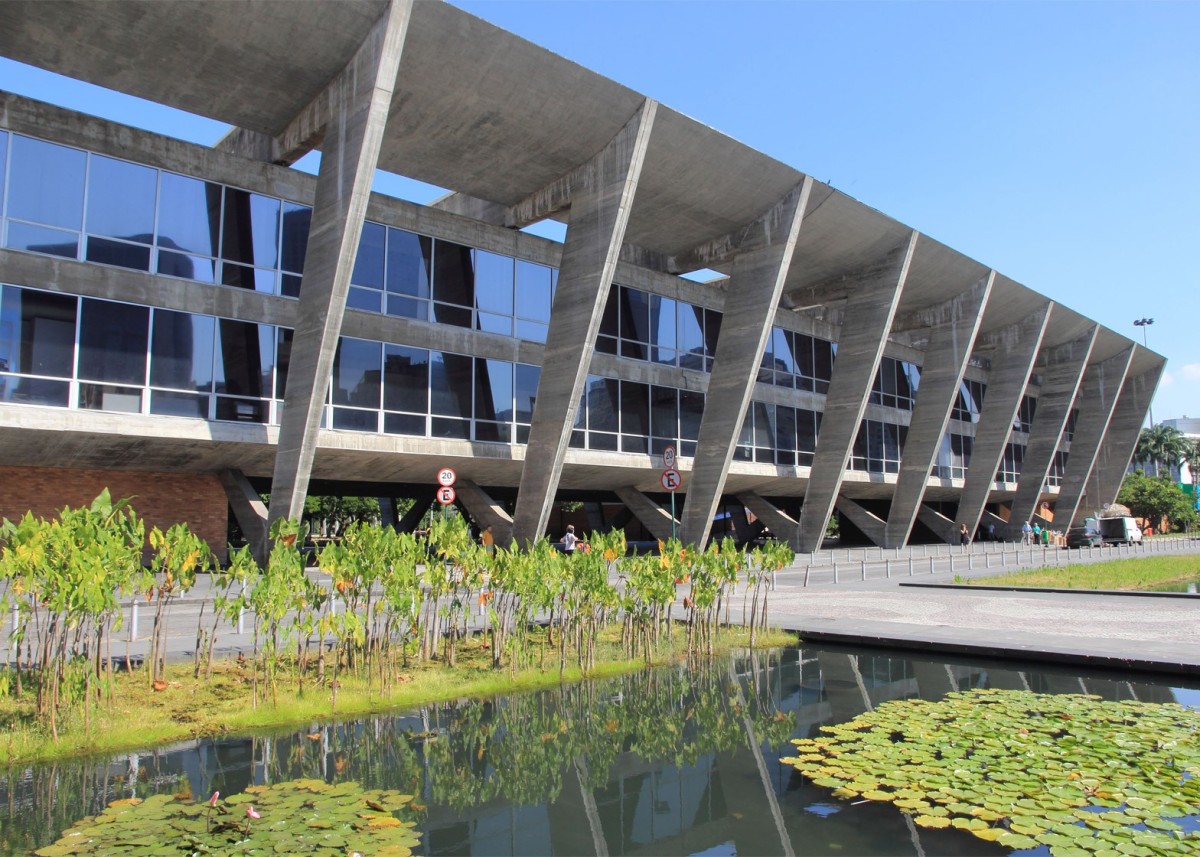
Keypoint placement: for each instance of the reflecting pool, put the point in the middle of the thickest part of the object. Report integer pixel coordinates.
(679, 760)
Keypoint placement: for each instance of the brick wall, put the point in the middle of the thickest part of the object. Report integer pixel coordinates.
(160, 499)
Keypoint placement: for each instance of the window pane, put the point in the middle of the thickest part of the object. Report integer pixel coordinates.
(40, 239)
(349, 419)
(250, 233)
(357, 373)
(364, 298)
(533, 291)
(3, 162)
(690, 336)
(635, 315)
(493, 282)
(284, 357)
(501, 324)
(296, 222)
(251, 279)
(408, 257)
(785, 430)
(121, 199)
(454, 279)
(37, 332)
(635, 408)
(404, 424)
(46, 184)
(182, 351)
(603, 396)
(369, 263)
(170, 404)
(105, 397)
(241, 410)
(609, 322)
(664, 412)
(107, 252)
(662, 320)
(245, 357)
(450, 386)
(691, 410)
(526, 391)
(534, 331)
(112, 342)
(406, 380)
(189, 214)
(34, 391)
(493, 390)
(188, 267)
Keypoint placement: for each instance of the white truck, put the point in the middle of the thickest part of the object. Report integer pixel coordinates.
(1120, 530)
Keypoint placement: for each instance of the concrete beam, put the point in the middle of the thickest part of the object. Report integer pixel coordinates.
(951, 340)
(412, 518)
(249, 510)
(1014, 350)
(600, 208)
(309, 127)
(486, 511)
(1102, 385)
(654, 517)
(946, 529)
(1124, 427)
(750, 304)
(782, 525)
(1060, 381)
(868, 319)
(872, 526)
(356, 116)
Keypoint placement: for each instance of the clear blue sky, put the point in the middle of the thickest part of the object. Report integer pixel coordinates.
(1056, 142)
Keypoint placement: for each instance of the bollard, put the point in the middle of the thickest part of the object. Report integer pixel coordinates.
(970, 561)
(887, 569)
(864, 567)
(835, 580)
(241, 625)
(931, 565)
(910, 565)
(133, 621)
(987, 561)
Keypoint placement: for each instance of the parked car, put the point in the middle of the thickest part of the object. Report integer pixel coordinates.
(1084, 537)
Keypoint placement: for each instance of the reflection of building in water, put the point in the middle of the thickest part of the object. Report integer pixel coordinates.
(149, 282)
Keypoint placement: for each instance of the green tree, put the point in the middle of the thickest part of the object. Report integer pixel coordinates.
(1157, 498)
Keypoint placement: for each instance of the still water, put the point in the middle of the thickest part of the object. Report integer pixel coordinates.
(675, 761)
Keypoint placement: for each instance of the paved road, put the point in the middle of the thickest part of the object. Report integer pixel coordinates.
(904, 598)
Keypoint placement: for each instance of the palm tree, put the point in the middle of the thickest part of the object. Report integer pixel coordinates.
(1161, 444)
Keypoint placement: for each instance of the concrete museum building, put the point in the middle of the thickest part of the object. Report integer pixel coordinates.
(191, 325)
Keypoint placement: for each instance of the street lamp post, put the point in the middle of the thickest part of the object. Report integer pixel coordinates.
(1144, 323)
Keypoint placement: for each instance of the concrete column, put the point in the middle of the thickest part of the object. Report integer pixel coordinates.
(869, 312)
(486, 511)
(653, 517)
(1060, 381)
(953, 328)
(752, 297)
(412, 518)
(1116, 449)
(600, 203)
(1101, 386)
(357, 114)
(872, 526)
(781, 525)
(1014, 350)
(249, 510)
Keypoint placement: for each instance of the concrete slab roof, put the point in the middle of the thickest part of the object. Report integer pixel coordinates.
(485, 113)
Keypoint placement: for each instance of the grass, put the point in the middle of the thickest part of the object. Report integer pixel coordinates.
(187, 708)
(1122, 574)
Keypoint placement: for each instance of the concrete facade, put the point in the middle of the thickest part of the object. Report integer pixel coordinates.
(766, 379)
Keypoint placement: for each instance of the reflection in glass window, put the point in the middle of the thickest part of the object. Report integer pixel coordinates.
(405, 379)
(189, 217)
(250, 231)
(369, 262)
(3, 163)
(969, 401)
(181, 351)
(296, 221)
(878, 447)
(357, 376)
(493, 283)
(533, 294)
(525, 391)
(245, 356)
(453, 275)
(1010, 466)
(37, 332)
(450, 384)
(112, 342)
(42, 239)
(121, 200)
(46, 183)
(954, 456)
(493, 390)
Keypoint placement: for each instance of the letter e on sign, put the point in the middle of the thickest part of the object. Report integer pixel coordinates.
(446, 477)
(445, 495)
(670, 480)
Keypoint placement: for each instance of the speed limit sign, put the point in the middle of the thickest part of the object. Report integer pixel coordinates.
(445, 495)
(670, 479)
(668, 458)
(446, 477)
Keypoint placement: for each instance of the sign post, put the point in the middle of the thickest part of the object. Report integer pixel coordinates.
(670, 481)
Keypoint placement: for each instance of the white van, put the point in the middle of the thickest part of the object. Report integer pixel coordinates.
(1120, 530)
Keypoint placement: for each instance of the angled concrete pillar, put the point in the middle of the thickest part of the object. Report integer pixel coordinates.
(600, 197)
(1060, 381)
(872, 526)
(412, 518)
(945, 528)
(869, 312)
(781, 525)
(953, 327)
(1102, 384)
(486, 511)
(750, 303)
(1112, 460)
(654, 517)
(356, 114)
(249, 511)
(1013, 351)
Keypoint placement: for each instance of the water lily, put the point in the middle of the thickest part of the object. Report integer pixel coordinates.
(212, 801)
(251, 812)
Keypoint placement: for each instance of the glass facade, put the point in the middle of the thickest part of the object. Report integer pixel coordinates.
(1010, 466)
(969, 402)
(1024, 420)
(797, 360)
(954, 456)
(896, 384)
(641, 326)
(878, 447)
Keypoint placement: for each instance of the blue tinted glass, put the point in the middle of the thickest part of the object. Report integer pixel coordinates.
(781, 351)
(691, 336)
(368, 263)
(112, 342)
(526, 390)
(534, 331)
(602, 400)
(251, 279)
(109, 252)
(245, 357)
(35, 391)
(357, 373)
(296, 222)
(406, 379)
(494, 282)
(121, 199)
(189, 214)
(450, 385)
(493, 390)
(664, 412)
(662, 321)
(189, 267)
(501, 324)
(635, 408)
(362, 298)
(171, 404)
(250, 233)
(46, 185)
(39, 239)
(181, 352)
(453, 276)
(3, 162)
(533, 291)
(37, 332)
(408, 263)
(635, 315)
